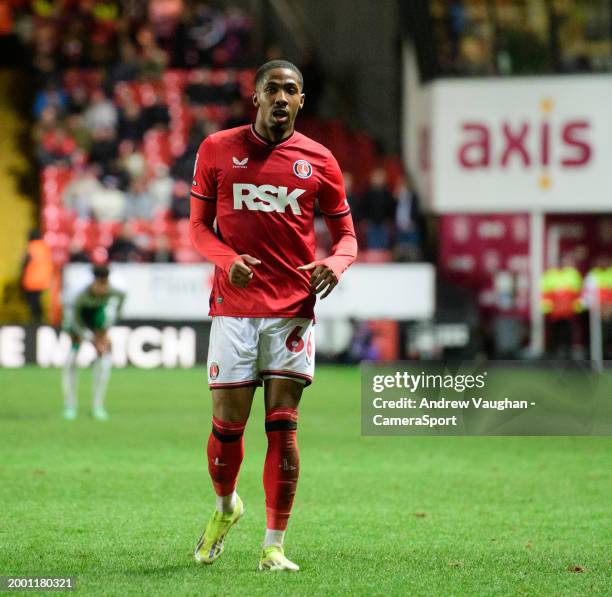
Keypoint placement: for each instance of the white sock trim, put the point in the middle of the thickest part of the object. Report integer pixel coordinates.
(226, 503)
(70, 379)
(274, 537)
(101, 374)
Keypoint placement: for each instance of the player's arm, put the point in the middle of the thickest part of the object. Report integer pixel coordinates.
(121, 295)
(114, 314)
(325, 274)
(203, 210)
(79, 326)
(101, 339)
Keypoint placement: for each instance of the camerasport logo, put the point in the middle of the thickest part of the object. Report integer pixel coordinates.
(538, 144)
(214, 370)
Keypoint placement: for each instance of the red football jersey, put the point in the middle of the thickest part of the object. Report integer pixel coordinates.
(265, 196)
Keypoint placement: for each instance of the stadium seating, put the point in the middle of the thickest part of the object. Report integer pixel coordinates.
(162, 146)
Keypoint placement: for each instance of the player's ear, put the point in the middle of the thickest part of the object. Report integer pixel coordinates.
(255, 100)
(302, 97)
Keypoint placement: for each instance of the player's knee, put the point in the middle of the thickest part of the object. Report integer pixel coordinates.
(232, 405)
(283, 393)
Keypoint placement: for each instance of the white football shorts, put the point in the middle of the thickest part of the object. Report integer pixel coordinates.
(244, 351)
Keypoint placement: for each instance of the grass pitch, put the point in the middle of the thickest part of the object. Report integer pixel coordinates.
(120, 505)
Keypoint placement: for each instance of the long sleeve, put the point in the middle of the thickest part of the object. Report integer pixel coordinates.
(79, 326)
(114, 308)
(344, 244)
(201, 217)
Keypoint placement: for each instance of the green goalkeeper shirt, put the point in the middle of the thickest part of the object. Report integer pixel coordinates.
(94, 313)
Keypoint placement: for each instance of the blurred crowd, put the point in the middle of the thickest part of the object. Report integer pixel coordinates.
(147, 36)
(387, 216)
(124, 100)
(479, 37)
(116, 153)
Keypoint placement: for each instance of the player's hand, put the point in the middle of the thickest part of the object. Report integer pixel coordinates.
(322, 278)
(101, 343)
(240, 273)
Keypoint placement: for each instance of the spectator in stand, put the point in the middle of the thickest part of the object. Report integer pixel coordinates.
(312, 71)
(104, 148)
(353, 200)
(407, 223)
(162, 252)
(36, 273)
(361, 346)
(179, 208)
(200, 90)
(75, 125)
(103, 29)
(131, 125)
(237, 115)
(47, 123)
(378, 211)
(78, 192)
(124, 249)
(131, 160)
(115, 169)
(51, 95)
(355, 203)
(56, 148)
(74, 47)
(127, 69)
(102, 113)
(78, 100)
(164, 18)
(152, 59)
(183, 165)
(206, 31)
(237, 37)
(108, 202)
(77, 252)
(156, 115)
(44, 46)
(160, 188)
(230, 88)
(139, 203)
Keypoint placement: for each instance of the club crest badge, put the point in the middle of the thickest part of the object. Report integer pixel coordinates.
(214, 370)
(302, 169)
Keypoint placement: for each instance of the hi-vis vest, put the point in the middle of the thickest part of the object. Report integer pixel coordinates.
(39, 270)
(598, 283)
(561, 288)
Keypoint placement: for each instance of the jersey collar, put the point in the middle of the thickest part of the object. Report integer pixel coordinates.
(270, 144)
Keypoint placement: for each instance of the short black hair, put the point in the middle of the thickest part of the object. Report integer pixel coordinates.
(272, 64)
(101, 271)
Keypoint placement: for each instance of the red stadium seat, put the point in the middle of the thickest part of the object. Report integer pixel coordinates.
(375, 256)
(355, 152)
(186, 254)
(175, 80)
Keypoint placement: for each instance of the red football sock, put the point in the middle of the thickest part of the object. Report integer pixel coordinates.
(225, 454)
(282, 466)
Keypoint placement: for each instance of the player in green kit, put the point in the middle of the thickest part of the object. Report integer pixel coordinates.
(95, 310)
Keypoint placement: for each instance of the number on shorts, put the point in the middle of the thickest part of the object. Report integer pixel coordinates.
(309, 346)
(294, 343)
